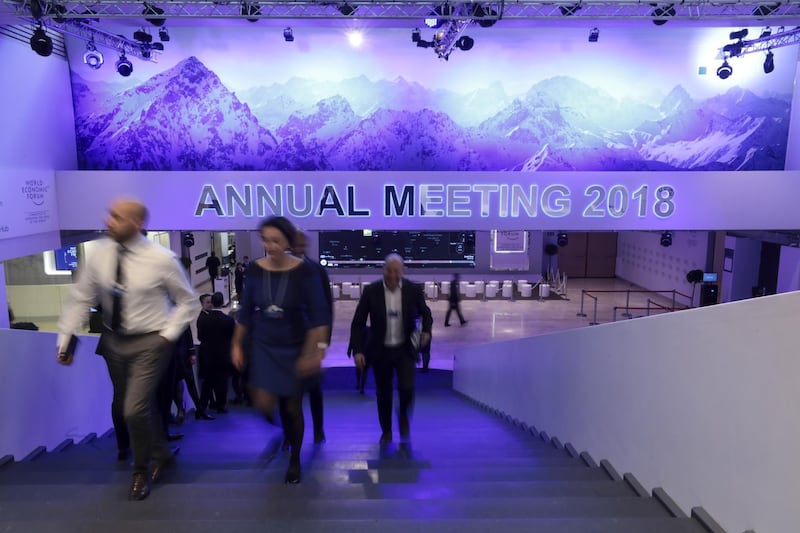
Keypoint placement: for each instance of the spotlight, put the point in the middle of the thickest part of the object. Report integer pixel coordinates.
(724, 71)
(465, 42)
(41, 43)
(153, 10)
(659, 13)
(766, 32)
(92, 57)
(733, 49)
(594, 34)
(765, 10)
(741, 34)
(346, 9)
(124, 67)
(486, 16)
(442, 10)
(569, 10)
(250, 11)
(188, 239)
(288, 34)
(769, 63)
(157, 46)
(416, 36)
(142, 36)
(163, 35)
(666, 239)
(562, 239)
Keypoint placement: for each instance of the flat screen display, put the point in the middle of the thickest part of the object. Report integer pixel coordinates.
(66, 258)
(419, 249)
(709, 277)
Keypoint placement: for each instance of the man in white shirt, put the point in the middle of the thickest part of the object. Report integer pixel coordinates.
(147, 302)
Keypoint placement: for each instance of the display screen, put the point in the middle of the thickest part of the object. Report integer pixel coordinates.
(709, 277)
(66, 258)
(419, 249)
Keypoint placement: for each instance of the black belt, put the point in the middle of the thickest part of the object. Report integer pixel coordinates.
(130, 335)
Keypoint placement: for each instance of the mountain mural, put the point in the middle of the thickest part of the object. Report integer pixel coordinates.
(186, 119)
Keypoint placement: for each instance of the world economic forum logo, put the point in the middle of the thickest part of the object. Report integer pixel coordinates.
(36, 191)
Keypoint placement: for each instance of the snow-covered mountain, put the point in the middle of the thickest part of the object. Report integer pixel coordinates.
(185, 118)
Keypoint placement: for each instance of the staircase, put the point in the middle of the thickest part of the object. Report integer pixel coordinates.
(469, 470)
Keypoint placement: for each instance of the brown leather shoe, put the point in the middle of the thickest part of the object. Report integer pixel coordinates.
(140, 487)
(161, 467)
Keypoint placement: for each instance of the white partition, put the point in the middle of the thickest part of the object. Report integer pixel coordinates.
(701, 402)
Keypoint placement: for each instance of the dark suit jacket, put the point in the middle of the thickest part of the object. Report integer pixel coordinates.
(372, 305)
(214, 331)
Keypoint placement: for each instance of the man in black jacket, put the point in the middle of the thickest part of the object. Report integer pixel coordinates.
(215, 332)
(392, 306)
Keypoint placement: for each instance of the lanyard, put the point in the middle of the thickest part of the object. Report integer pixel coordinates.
(283, 282)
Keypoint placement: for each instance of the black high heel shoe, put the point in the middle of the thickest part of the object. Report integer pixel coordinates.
(293, 472)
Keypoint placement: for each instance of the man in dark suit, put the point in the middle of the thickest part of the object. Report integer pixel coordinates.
(392, 306)
(212, 265)
(215, 332)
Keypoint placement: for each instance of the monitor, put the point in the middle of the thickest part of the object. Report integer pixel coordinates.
(66, 258)
(709, 277)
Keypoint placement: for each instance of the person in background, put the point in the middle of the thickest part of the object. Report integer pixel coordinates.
(203, 361)
(215, 332)
(455, 298)
(238, 279)
(212, 264)
(284, 319)
(392, 306)
(148, 301)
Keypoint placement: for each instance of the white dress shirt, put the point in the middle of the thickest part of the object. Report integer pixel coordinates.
(157, 296)
(394, 315)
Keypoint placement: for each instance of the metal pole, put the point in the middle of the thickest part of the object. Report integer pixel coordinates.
(595, 322)
(583, 293)
(627, 313)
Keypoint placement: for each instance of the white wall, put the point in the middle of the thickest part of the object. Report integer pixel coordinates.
(738, 284)
(643, 261)
(789, 269)
(793, 143)
(44, 402)
(700, 402)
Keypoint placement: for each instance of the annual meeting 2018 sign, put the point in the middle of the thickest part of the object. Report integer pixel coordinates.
(559, 201)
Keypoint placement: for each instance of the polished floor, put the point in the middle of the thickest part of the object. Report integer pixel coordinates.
(503, 318)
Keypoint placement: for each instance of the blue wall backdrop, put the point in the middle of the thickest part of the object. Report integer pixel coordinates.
(523, 99)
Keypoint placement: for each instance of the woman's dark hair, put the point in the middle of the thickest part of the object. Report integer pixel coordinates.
(283, 225)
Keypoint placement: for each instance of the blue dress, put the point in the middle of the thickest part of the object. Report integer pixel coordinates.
(277, 308)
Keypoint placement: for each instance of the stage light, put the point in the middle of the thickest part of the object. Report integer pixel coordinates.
(188, 239)
(766, 32)
(666, 239)
(465, 42)
(741, 34)
(163, 35)
(562, 239)
(157, 46)
(594, 34)
(150, 10)
(416, 36)
(92, 56)
(41, 43)
(288, 34)
(124, 66)
(724, 71)
(142, 36)
(436, 20)
(250, 11)
(769, 62)
(355, 38)
(659, 13)
(346, 9)
(485, 16)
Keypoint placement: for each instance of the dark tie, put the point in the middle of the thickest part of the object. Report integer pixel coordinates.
(116, 308)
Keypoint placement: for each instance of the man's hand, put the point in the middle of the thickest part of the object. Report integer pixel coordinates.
(360, 360)
(424, 339)
(237, 357)
(64, 359)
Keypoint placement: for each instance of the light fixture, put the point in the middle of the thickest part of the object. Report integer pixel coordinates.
(416, 35)
(163, 35)
(465, 42)
(355, 38)
(594, 34)
(659, 13)
(288, 34)
(346, 9)
(142, 36)
(436, 20)
(725, 70)
(741, 34)
(666, 239)
(124, 66)
(250, 11)
(562, 239)
(92, 57)
(769, 62)
(484, 16)
(150, 10)
(41, 43)
(766, 32)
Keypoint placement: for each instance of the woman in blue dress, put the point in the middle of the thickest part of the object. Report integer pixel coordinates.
(284, 321)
